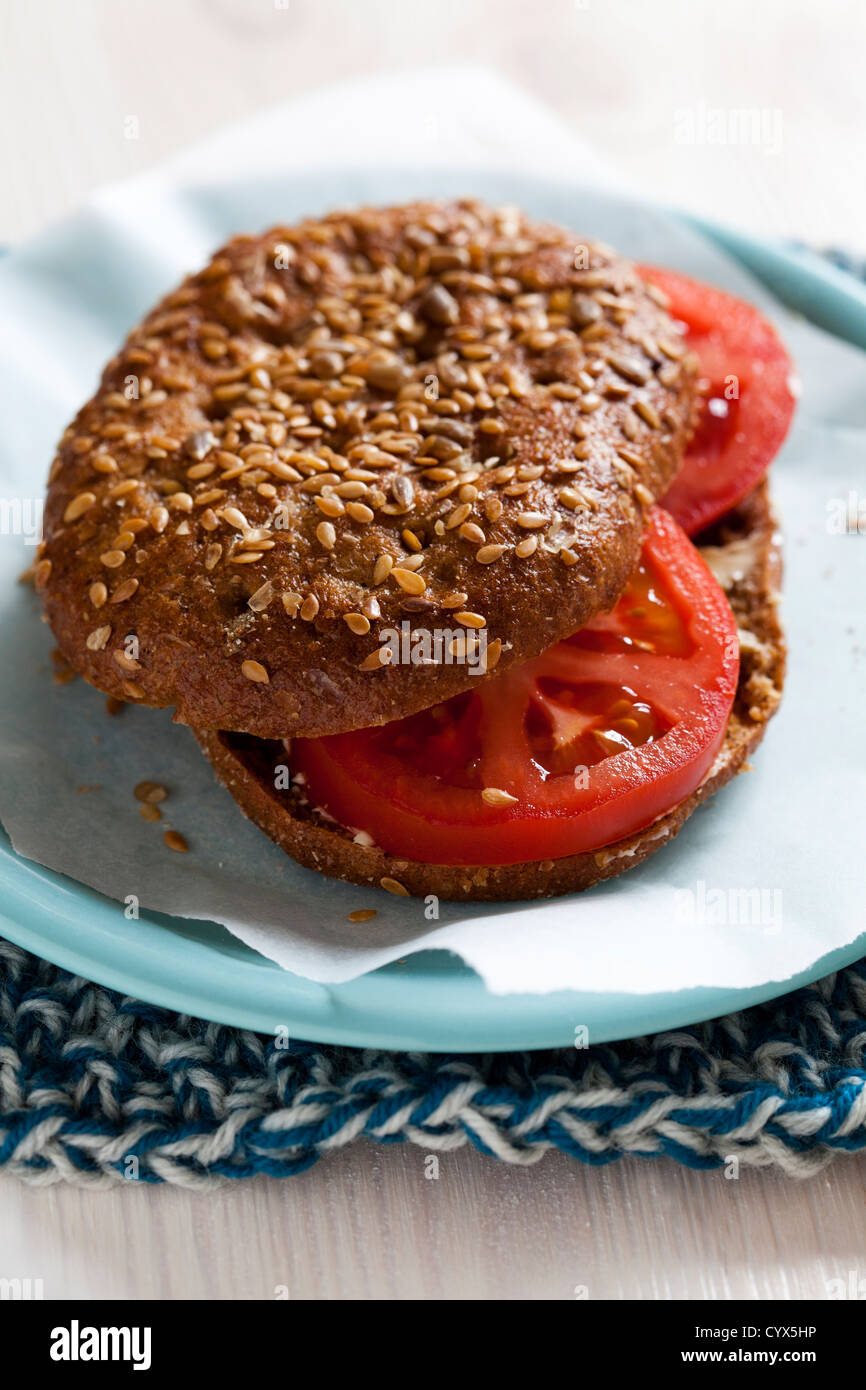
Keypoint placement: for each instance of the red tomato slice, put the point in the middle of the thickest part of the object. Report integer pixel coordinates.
(747, 407)
(594, 739)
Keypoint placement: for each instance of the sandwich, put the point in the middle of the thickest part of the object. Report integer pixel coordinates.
(446, 533)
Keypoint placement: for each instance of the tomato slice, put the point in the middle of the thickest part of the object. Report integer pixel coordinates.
(746, 407)
(592, 740)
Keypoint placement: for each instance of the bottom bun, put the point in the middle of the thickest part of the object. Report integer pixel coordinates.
(744, 553)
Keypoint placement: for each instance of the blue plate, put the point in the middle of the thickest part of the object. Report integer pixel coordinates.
(432, 1001)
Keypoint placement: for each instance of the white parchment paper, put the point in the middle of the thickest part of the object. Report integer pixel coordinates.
(760, 884)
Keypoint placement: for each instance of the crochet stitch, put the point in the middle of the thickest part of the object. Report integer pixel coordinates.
(97, 1088)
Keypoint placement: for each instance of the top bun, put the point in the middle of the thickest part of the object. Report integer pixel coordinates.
(441, 414)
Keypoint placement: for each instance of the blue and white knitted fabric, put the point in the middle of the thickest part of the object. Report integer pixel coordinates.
(97, 1089)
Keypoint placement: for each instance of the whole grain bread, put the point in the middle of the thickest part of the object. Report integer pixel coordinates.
(436, 413)
(744, 552)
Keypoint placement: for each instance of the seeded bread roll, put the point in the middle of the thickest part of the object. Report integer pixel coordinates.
(743, 550)
(438, 413)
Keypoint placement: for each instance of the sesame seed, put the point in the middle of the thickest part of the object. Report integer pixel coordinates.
(132, 690)
(174, 840)
(357, 623)
(124, 591)
(149, 813)
(469, 531)
(458, 516)
(629, 368)
(309, 608)
(643, 494)
(382, 569)
(439, 306)
(410, 540)
(495, 796)
(570, 498)
(255, 671)
(526, 547)
(471, 619)
(97, 638)
(648, 413)
(331, 506)
(493, 653)
(123, 489)
(362, 914)
(128, 662)
(291, 602)
(359, 512)
(112, 559)
(489, 554)
(410, 582)
(391, 885)
(532, 521)
(79, 505)
(326, 535)
(380, 657)
(212, 555)
(98, 593)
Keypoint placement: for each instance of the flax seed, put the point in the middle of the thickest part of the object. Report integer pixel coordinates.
(376, 659)
(79, 505)
(150, 792)
(124, 591)
(255, 671)
(408, 580)
(391, 885)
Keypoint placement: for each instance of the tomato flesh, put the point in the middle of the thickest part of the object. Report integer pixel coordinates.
(594, 739)
(746, 402)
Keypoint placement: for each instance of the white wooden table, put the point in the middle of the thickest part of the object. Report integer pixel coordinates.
(783, 159)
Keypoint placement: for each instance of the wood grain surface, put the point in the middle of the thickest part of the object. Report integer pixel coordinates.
(366, 1223)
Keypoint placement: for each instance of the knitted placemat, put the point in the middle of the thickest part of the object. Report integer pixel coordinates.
(97, 1088)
